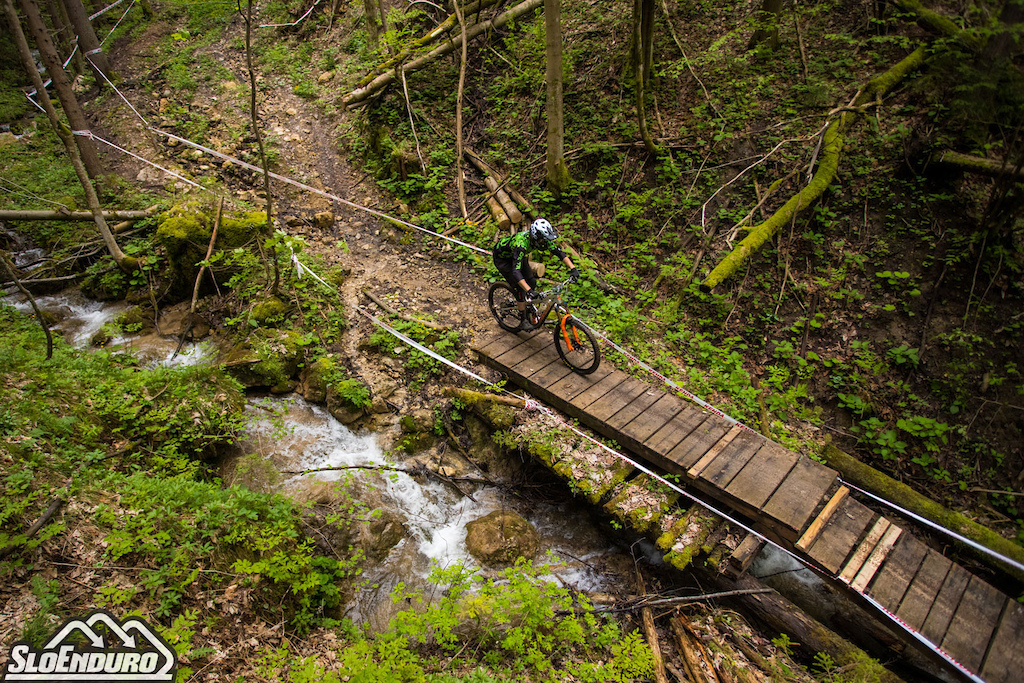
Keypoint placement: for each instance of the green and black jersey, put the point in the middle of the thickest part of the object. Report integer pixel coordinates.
(510, 254)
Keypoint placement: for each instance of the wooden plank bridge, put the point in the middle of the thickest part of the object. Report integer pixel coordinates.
(790, 498)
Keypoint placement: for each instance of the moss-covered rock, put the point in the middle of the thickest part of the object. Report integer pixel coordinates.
(184, 232)
(501, 538)
(267, 359)
(314, 379)
(136, 320)
(269, 312)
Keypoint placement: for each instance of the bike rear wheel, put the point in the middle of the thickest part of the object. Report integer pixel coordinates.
(501, 299)
(577, 346)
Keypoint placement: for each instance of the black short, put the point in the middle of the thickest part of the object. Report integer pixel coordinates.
(507, 268)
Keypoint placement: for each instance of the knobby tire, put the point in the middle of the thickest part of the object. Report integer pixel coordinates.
(584, 355)
(501, 299)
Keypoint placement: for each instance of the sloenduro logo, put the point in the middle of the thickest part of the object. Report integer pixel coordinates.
(96, 648)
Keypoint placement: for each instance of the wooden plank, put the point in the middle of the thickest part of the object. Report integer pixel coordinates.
(874, 561)
(973, 624)
(583, 400)
(946, 602)
(918, 600)
(499, 344)
(635, 408)
(741, 558)
(572, 385)
(677, 429)
(731, 460)
(654, 418)
(693, 447)
(534, 360)
(548, 375)
(616, 399)
(898, 571)
(799, 495)
(864, 550)
(1005, 659)
(811, 535)
(841, 534)
(517, 354)
(757, 481)
(713, 451)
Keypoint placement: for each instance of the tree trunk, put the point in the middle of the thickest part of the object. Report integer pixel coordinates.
(87, 40)
(1001, 46)
(460, 179)
(42, 215)
(767, 31)
(557, 173)
(62, 86)
(385, 79)
(370, 11)
(643, 51)
(126, 264)
(259, 140)
(62, 34)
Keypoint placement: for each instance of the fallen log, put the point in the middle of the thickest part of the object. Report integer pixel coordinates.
(385, 79)
(510, 208)
(84, 216)
(651, 633)
(426, 39)
(470, 398)
(831, 147)
(810, 636)
(688, 652)
(981, 165)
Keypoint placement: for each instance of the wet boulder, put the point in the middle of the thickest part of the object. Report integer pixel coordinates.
(500, 538)
(267, 358)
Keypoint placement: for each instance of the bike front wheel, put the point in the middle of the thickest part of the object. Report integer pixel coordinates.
(577, 345)
(501, 299)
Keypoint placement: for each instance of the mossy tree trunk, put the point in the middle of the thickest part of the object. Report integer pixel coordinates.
(767, 31)
(828, 164)
(557, 172)
(643, 56)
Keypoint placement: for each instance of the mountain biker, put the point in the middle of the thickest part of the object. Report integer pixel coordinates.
(510, 260)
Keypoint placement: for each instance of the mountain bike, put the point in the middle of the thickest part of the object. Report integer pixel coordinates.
(574, 341)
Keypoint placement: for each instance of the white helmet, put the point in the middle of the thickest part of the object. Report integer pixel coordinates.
(542, 233)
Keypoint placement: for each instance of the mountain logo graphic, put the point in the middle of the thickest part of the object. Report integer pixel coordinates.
(96, 648)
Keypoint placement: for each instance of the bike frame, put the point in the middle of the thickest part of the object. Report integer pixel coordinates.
(552, 300)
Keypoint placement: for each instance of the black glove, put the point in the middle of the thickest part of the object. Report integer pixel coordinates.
(574, 275)
(532, 295)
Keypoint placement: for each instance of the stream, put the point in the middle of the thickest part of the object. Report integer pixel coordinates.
(429, 516)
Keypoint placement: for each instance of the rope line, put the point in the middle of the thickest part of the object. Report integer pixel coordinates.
(100, 72)
(111, 32)
(105, 10)
(322, 193)
(154, 165)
